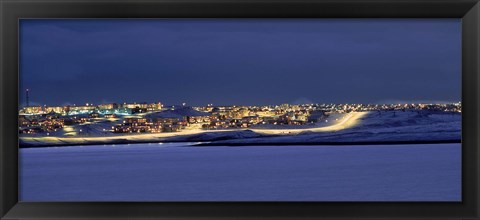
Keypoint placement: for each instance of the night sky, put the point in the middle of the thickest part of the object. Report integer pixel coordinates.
(242, 62)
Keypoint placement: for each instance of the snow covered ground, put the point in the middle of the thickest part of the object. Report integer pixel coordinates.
(385, 126)
(375, 126)
(178, 172)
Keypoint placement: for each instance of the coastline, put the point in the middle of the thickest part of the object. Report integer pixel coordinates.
(228, 144)
(333, 143)
(91, 143)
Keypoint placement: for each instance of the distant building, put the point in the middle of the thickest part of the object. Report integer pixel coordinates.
(56, 109)
(83, 109)
(51, 115)
(33, 110)
(154, 106)
(108, 106)
(135, 105)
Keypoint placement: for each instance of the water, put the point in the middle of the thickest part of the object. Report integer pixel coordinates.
(177, 172)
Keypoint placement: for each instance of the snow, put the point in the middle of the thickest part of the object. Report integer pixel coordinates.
(378, 127)
(375, 126)
(178, 172)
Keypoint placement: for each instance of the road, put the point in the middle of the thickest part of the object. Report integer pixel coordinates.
(349, 120)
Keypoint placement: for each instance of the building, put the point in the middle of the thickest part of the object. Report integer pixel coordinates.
(33, 110)
(317, 116)
(154, 106)
(135, 105)
(56, 109)
(83, 109)
(131, 125)
(108, 106)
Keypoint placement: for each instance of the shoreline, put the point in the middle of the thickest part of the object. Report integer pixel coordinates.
(90, 143)
(339, 143)
(211, 144)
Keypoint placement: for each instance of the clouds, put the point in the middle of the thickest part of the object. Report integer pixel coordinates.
(251, 61)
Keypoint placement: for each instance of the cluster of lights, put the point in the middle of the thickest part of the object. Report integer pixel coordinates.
(36, 118)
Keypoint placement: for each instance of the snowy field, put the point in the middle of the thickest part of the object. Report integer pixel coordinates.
(177, 172)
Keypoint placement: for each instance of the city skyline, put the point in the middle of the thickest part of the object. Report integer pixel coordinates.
(242, 62)
(300, 102)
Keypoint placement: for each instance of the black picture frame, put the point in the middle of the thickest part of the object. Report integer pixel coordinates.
(13, 10)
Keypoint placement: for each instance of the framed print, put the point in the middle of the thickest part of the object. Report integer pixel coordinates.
(153, 108)
(240, 109)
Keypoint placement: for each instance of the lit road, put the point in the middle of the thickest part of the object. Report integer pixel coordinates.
(348, 121)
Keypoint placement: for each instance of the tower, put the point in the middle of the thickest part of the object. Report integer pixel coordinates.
(27, 98)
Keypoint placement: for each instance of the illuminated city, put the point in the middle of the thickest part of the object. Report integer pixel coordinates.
(112, 120)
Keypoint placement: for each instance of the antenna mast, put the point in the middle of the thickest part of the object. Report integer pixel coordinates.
(28, 102)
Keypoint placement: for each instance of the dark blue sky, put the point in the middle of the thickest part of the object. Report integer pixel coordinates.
(243, 62)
